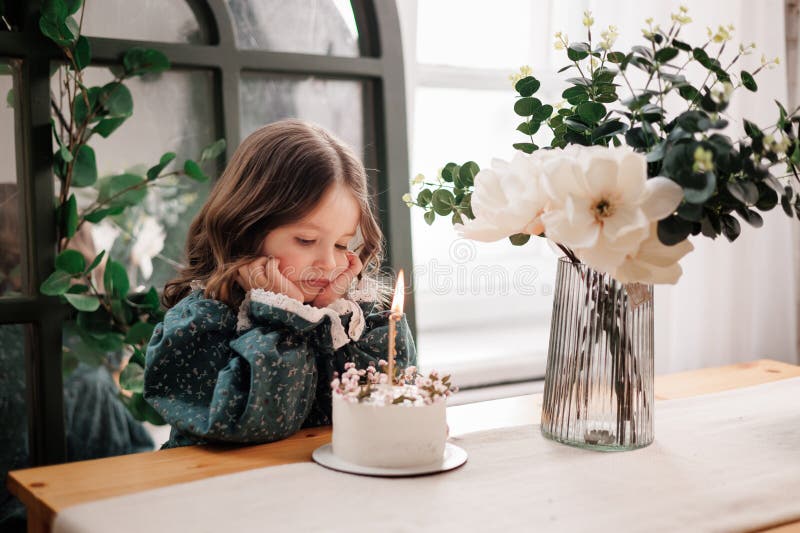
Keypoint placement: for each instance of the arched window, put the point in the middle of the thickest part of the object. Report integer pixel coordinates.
(236, 64)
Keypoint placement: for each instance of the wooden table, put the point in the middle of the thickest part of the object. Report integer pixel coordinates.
(47, 490)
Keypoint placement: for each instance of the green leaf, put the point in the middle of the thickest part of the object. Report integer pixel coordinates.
(730, 227)
(429, 217)
(213, 150)
(673, 230)
(527, 86)
(96, 261)
(543, 113)
(528, 148)
(680, 45)
(73, 6)
(467, 173)
(693, 121)
(577, 51)
(752, 131)
(71, 261)
(139, 333)
(77, 288)
(449, 172)
(117, 100)
(749, 82)
(518, 239)
(96, 216)
(83, 52)
(699, 188)
(83, 302)
(666, 54)
(750, 216)
(525, 107)
(591, 112)
(132, 378)
(108, 125)
(616, 57)
(84, 170)
(424, 197)
(81, 111)
(69, 212)
(194, 171)
(155, 170)
(55, 10)
(56, 283)
(608, 129)
(58, 32)
(744, 191)
(139, 61)
(576, 94)
(115, 279)
(529, 128)
(122, 191)
(442, 202)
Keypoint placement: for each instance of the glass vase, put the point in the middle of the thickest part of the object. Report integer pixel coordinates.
(599, 381)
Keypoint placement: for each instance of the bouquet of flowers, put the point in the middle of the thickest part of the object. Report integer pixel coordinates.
(624, 183)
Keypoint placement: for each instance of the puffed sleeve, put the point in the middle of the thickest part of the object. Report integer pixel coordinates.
(252, 377)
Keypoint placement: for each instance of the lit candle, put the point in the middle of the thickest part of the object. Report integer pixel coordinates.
(395, 315)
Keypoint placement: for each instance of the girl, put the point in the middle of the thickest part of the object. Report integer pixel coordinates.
(273, 301)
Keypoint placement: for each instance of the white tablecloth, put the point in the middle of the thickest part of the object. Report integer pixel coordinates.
(720, 462)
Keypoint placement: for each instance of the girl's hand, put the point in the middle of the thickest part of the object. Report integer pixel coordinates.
(338, 287)
(263, 273)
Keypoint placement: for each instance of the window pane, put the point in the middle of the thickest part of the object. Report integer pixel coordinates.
(143, 20)
(324, 27)
(13, 413)
(333, 104)
(173, 112)
(11, 244)
(482, 35)
(503, 293)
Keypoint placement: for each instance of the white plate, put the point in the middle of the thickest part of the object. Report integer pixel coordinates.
(453, 458)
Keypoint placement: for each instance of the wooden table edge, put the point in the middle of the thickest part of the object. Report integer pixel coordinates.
(26, 485)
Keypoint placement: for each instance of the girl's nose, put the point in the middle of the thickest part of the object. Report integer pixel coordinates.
(326, 260)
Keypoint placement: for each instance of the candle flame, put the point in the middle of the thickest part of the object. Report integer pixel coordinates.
(399, 294)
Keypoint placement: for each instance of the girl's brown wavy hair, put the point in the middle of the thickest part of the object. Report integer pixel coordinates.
(276, 177)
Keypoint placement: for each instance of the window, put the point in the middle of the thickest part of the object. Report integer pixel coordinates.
(462, 109)
(236, 64)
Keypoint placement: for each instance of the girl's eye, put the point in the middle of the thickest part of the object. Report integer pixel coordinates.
(342, 246)
(305, 242)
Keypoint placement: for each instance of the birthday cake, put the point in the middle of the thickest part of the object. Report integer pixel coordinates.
(376, 424)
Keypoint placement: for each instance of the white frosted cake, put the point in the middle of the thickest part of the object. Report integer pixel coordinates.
(388, 436)
(378, 425)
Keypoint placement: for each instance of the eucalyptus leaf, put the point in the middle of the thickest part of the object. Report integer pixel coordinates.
(71, 261)
(155, 170)
(749, 82)
(525, 107)
(527, 86)
(213, 150)
(84, 170)
(139, 61)
(429, 217)
(56, 283)
(194, 171)
(83, 302)
(139, 333)
(591, 112)
(115, 279)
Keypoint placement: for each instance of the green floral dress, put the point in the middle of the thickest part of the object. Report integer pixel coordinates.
(263, 373)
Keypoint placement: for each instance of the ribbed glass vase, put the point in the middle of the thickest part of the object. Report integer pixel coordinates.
(598, 390)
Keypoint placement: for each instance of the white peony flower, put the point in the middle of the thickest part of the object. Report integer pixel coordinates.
(654, 262)
(601, 203)
(507, 199)
(149, 243)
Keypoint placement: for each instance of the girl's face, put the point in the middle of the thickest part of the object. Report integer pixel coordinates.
(312, 252)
